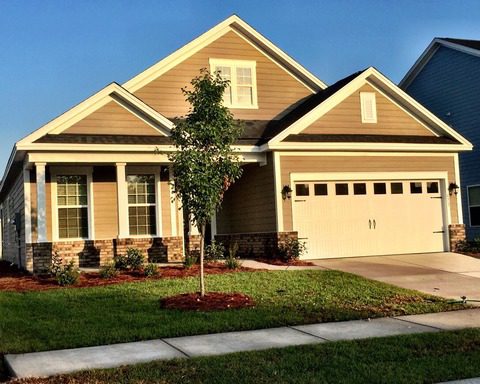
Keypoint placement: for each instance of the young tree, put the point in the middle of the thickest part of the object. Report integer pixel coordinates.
(204, 165)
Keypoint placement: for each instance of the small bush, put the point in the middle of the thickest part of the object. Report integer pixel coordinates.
(120, 262)
(108, 271)
(190, 261)
(472, 246)
(233, 250)
(214, 251)
(291, 250)
(135, 258)
(150, 270)
(67, 274)
(232, 263)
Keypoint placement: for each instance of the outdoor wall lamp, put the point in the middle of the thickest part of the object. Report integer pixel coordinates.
(286, 192)
(453, 189)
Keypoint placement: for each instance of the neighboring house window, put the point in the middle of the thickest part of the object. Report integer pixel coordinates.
(474, 205)
(242, 92)
(141, 204)
(368, 107)
(72, 205)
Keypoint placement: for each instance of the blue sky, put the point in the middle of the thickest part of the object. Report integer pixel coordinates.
(54, 54)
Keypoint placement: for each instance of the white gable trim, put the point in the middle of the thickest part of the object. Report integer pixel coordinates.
(112, 92)
(374, 78)
(428, 54)
(233, 23)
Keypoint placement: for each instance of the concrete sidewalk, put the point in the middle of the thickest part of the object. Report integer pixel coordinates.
(41, 364)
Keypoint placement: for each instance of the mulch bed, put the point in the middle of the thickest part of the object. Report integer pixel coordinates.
(12, 279)
(212, 301)
(296, 263)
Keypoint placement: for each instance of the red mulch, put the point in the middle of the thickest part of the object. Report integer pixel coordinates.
(296, 263)
(12, 279)
(212, 301)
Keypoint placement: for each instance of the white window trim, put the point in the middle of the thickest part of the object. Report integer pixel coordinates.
(469, 206)
(87, 171)
(233, 64)
(364, 98)
(143, 170)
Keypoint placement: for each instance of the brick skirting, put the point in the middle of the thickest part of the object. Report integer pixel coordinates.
(456, 234)
(256, 245)
(96, 253)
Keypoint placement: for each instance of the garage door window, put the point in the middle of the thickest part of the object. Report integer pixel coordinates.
(341, 189)
(396, 188)
(416, 187)
(359, 188)
(379, 188)
(302, 190)
(474, 205)
(432, 187)
(320, 190)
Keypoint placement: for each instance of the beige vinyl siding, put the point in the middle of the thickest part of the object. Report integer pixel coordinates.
(105, 202)
(112, 119)
(249, 205)
(294, 164)
(346, 118)
(13, 203)
(276, 89)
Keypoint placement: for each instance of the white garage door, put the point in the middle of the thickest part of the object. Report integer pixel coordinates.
(373, 217)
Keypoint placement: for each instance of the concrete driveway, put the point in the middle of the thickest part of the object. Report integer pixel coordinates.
(445, 274)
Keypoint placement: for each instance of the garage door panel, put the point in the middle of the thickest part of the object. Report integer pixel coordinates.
(374, 218)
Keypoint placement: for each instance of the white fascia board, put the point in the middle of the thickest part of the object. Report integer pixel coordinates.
(427, 55)
(348, 89)
(421, 109)
(8, 167)
(453, 148)
(232, 23)
(93, 103)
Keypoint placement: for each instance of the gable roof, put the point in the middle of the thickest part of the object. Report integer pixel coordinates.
(318, 105)
(111, 92)
(470, 47)
(236, 24)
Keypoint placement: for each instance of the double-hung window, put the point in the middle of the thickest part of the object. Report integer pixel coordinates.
(242, 92)
(474, 205)
(141, 204)
(72, 205)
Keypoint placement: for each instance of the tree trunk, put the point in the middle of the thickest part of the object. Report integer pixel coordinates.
(202, 251)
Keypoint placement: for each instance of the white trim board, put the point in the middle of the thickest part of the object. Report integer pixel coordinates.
(372, 77)
(232, 23)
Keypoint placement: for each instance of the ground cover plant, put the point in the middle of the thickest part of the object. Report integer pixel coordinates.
(410, 359)
(71, 317)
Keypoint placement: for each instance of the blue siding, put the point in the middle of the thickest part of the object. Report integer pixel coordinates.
(449, 86)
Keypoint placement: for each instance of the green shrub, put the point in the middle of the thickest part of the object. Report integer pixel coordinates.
(214, 251)
(232, 263)
(135, 258)
(291, 250)
(120, 262)
(150, 270)
(190, 261)
(232, 250)
(67, 274)
(108, 271)
(471, 246)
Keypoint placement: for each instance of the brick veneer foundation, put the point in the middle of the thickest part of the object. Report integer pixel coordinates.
(456, 234)
(257, 245)
(96, 253)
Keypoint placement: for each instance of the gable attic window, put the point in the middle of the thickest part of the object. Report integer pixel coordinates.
(242, 92)
(368, 107)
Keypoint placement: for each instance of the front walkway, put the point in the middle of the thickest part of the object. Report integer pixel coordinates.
(50, 363)
(445, 274)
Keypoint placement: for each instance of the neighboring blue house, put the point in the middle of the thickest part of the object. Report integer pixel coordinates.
(446, 80)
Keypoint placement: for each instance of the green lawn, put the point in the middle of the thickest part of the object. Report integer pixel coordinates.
(66, 318)
(420, 358)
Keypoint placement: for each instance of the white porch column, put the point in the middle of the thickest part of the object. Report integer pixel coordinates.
(28, 205)
(122, 200)
(41, 203)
